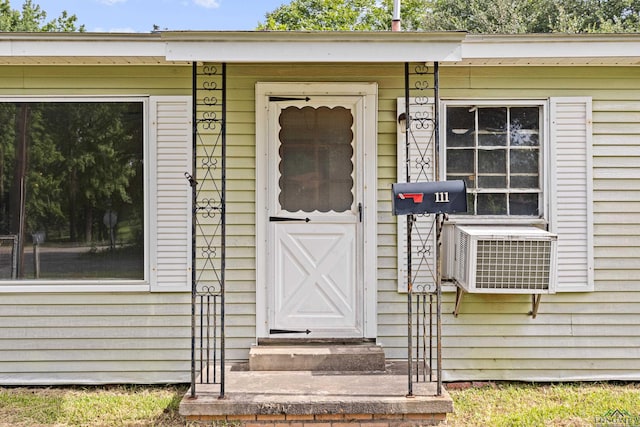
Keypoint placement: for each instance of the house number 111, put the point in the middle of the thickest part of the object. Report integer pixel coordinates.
(442, 197)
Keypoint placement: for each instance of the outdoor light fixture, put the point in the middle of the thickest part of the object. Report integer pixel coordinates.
(402, 122)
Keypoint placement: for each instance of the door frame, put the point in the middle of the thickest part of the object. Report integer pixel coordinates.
(368, 128)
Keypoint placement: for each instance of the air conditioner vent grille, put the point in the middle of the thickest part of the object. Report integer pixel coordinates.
(508, 259)
(513, 264)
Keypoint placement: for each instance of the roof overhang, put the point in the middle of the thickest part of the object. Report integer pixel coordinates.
(44, 48)
(184, 47)
(551, 49)
(319, 46)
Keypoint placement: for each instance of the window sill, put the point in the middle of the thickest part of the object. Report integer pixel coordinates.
(493, 220)
(96, 286)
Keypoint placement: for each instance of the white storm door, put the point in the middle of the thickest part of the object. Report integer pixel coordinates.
(315, 244)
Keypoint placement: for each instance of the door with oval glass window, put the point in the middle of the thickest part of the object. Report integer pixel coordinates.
(315, 238)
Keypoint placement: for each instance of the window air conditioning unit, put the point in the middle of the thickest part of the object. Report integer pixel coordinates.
(506, 260)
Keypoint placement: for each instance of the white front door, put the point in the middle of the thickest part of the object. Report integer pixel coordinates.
(315, 228)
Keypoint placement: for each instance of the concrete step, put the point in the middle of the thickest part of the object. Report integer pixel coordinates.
(312, 399)
(317, 357)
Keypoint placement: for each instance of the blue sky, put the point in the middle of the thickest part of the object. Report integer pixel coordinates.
(141, 15)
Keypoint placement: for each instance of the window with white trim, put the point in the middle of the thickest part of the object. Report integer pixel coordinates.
(497, 149)
(93, 195)
(72, 189)
(559, 142)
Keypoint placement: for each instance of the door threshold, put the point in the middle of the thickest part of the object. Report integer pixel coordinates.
(315, 341)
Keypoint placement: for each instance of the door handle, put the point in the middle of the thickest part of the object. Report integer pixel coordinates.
(284, 218)
(360, 211)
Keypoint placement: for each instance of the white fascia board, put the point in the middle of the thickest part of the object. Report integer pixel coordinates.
(81, 45)
(551, 46)
(313, 47)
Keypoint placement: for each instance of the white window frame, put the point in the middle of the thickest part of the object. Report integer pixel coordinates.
(543, 218)
(566, 121)
(97, 285)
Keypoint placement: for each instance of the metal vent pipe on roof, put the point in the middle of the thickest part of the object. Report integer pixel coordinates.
(395, 23)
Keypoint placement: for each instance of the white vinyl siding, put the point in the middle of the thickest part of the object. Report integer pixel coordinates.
(576, 335)
(170, 207)
(100, 333)
(144, 337)
(571, 190)
(95, 338)
(118, 337)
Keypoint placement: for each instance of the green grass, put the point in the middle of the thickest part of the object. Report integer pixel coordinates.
(92, 406)
(493, 404)
(523, 405)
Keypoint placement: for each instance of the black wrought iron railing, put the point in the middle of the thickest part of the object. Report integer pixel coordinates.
(424, 299)
(208, 184)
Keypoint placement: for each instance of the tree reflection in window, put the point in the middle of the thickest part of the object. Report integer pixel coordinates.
(69, 171)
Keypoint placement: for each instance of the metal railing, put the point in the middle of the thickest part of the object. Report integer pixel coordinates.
(208, 184)
(423, 231)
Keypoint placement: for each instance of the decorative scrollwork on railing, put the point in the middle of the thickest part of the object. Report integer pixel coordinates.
(423, 120)
(422, 69)
(422, 99)
(209, 247)
(429, 288)
(423, 163)
(209, 70)
(209, 85)
(209, 163)
(210, 290)
(208, 208)
(208, 120)
(210, 100)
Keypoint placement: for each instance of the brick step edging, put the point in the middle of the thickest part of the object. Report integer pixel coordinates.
(326, 420)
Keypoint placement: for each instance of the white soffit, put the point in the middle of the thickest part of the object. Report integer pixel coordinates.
(81, 49)
(81, 44)
(327, 46)
(551, 49)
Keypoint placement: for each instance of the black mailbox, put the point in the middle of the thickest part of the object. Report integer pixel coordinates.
(429, 197)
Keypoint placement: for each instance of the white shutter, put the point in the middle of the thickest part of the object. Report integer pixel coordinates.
(170, 151)
(571, 198)
(421, 168)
